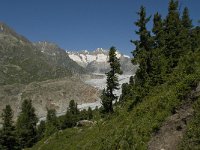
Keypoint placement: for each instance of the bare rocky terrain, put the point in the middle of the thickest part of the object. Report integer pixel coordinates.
(48, 94)
(172, 130)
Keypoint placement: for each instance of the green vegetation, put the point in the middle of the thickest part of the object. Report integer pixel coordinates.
(191, 140)
(125, 129)
(112, 82)
(51, 122)
(8, 136)
(169, 59)
(169, 71)
(23, 62)
(25, 132)
(26, 125)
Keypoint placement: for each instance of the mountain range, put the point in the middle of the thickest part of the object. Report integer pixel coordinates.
(22, 61)
(97, 61)
(47, 74)
(41, 72)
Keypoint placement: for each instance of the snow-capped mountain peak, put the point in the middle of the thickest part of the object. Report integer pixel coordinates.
(85, 57)
(97, 61)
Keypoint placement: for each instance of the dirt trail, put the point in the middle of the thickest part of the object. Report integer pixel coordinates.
(173, 129)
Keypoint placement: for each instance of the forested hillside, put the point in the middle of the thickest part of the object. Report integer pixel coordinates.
(166, 84)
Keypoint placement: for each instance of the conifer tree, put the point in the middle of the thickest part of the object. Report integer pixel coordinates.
(186, 36)
(26, 125)
(41, 130)
(1, 141)
(70, 119)
(83, 114)
(8, 136)
(51, 122)
(112, 82)
(90, 114)
(158, 29)
(186, 21)
(142, 52)
(106, 101)
(72, 115)
(173, 49)
(73, 107)
(158, 60)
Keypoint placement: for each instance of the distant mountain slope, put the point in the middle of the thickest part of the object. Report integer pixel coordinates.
(97, 61)
(54, 94)
(23, 62)
(57, 56)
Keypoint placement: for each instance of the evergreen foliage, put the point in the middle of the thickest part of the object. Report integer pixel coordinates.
(108, 96)
(72, 116)
(26, 125)
(90, 114)
(142, 51)
(8, 139)
(41, 130)
(173, 48)
(186, 21)
(169, 71)
(73, 107)
(51, 122)
(191, 139)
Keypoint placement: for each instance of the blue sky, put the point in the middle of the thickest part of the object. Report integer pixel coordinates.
(83, 24)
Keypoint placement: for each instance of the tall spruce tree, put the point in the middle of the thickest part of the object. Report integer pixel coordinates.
(90, 113)
(173, 48)
(158, 29)
(186, 36)
(186, 21)
(142, 52)
(112, 82)
(51, 122)
(73, 107)
(158, 60)
(41, 130)
(8, 136)
(26, 125)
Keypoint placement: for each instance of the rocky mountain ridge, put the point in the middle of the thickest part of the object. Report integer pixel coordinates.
(54, 94)
(41, 72)
(97, 61)
(22, 61)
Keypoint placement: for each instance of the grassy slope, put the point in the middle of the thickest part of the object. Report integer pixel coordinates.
(191, 140)
(125, 130)
(132, 130)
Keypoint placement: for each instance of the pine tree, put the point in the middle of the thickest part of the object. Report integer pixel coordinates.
(2, 147)
(70, 119)
(26, 125)
(173, 49)
(73, 107)
(106, 101)
(51, 122)
(186, 36)
(72, 115)
(41, 130)
(142, 52)
(112, 82)
(90, 114)
(158, 59)
(125, 92)
(186, 21)
(8, 136)
(83, 114)
(158, 30)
